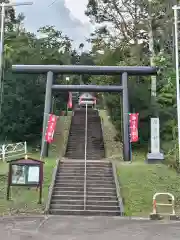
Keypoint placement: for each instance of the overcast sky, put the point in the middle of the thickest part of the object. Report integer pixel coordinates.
(67, 15)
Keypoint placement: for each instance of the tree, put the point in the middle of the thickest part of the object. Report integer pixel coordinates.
(23, 103)
(122, 35)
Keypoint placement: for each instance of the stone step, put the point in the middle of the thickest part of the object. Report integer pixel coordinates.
(70, 164)
(81, 183)
(90, 174)
(91, 150)
(80, 149)
(74, 146)
(95, 145)
(93, 131)
(67, 206)
(68, 188)
(81, 207)
(91, 147)
(97, 179)
(80, 152)
(81, 156)
(81, 178)
(89, 167)
(92, 191)
(81, 136)
(88, 202)
(100, 164)
(88, 183)
(81, 174)
(84, 213)
(90, 142)
(80, 196)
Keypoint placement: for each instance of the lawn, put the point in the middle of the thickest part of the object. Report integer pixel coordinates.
(23, 199)
(113, 148)
(140, 181)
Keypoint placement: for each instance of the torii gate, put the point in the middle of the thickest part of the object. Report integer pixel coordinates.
(122, 86)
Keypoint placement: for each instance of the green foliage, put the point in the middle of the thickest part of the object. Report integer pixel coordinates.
(125, 41)
(23, 94)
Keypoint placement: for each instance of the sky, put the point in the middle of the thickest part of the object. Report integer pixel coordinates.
(65, 15)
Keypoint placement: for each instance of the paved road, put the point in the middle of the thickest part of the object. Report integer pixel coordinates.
(86, 228)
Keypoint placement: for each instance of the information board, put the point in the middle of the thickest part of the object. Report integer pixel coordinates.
(33, 174)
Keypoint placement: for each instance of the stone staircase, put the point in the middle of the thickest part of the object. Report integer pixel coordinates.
(68, 193)
(76, 142)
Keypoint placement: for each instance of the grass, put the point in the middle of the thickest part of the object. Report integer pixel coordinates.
(113, 148)
(24, 200)
(140, 181)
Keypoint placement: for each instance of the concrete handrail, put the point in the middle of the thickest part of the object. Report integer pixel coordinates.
(51, 187)
(102, 130)
(118, 192)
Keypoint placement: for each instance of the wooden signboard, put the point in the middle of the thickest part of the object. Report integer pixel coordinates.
(25, 172)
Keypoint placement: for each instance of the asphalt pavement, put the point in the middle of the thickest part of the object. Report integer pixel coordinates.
(86, 228)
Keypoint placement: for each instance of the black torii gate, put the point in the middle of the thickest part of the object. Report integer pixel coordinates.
(122, 71)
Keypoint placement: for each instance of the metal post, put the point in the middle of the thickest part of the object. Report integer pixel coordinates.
(47, 109)
(2, 52)
(175, 8)
(85, 159)
(126, 146)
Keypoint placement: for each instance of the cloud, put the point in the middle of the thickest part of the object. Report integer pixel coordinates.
(61, 14)
(78, 10)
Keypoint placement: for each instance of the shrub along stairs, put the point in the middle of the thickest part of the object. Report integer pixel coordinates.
(85, 187)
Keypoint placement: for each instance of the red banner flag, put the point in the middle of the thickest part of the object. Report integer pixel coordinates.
(51, 126)
(133, 126)
(69, 104)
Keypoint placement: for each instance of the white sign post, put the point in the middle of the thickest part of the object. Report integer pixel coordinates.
(155, 141)
(155, 154)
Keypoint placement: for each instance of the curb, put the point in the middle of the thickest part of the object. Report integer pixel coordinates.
(156, 216)
(51, 187)
(118, 192)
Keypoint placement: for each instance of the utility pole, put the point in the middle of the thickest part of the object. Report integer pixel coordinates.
(155, 153)
(3, 7)
(176, 8)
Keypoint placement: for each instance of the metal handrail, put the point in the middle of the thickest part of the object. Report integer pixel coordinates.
(85, 161)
